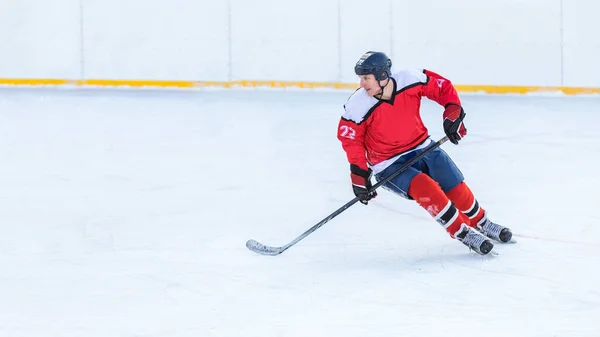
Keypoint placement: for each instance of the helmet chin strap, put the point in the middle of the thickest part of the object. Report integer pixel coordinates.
(381, 87)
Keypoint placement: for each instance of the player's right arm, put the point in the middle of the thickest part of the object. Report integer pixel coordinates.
(352, 128)
(351, 133)
(352, 137)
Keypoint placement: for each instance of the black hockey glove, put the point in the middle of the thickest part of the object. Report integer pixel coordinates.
(361, 183)
(453, 123)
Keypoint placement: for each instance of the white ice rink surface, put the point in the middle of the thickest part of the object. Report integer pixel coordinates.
(125, 213)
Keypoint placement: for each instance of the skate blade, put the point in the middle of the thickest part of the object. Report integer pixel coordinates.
(492, 252)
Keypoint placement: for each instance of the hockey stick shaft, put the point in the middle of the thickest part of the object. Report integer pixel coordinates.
(267, 250)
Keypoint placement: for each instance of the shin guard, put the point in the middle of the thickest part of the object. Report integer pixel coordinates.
(429, 195)
(465, 201)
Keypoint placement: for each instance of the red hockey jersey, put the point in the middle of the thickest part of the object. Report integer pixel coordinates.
(373, 131)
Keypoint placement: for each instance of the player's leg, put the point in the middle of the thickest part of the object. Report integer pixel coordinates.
(464, 200)
(429, 195)
(443, 170)
(414, 184)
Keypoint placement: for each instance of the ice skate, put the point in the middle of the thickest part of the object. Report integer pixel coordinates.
(474, 240)
(495, 232)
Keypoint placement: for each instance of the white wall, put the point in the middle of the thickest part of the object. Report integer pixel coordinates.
(501, 42)
(506, 42)
(284, 40)
(581, 43)
(40, 38)
(155, 39)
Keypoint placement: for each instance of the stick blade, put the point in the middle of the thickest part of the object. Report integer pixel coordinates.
(259, 248)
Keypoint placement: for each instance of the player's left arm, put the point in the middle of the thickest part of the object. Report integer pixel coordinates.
(442, 91)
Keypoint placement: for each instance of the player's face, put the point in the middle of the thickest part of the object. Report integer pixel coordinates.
(370, 84)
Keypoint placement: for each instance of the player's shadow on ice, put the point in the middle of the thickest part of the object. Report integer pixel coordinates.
(435, 259)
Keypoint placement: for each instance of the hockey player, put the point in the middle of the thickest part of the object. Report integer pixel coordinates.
(381, 129)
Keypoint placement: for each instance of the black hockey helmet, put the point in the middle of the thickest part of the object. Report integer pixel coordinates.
(376, 63)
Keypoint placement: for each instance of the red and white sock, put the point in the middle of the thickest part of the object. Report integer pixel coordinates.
(465, 201)
(429, 195)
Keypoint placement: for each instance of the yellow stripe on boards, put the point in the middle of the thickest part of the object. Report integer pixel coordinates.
(511, 89)
(489, 89)
(31, 81)
(136, 83)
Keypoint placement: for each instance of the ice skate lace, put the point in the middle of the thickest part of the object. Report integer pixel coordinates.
(473, 240)
(491, 230)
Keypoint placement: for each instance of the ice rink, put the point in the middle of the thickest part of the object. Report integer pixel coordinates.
(125, 213)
